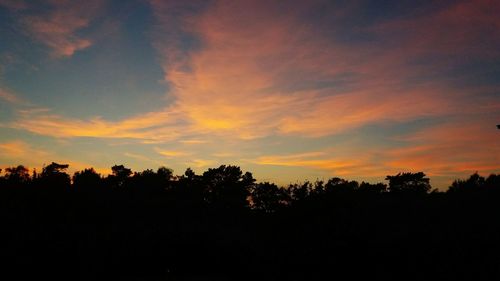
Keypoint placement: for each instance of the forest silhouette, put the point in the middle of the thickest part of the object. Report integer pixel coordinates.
(224, 225)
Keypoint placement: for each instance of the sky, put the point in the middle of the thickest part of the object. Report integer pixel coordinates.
(289, 90)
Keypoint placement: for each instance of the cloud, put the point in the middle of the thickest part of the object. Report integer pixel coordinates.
(470, 28)
(10, 97)
(200, 163)
(58, 27)
(20, 152)
(277, 75)
(249, 79)
(456, 147)
(193, 141)
(154, 127)
(172, 153)
(334, 165)
(15, 5)
(246, 70)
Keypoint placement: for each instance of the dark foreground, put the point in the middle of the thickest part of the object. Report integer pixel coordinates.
(198, 228)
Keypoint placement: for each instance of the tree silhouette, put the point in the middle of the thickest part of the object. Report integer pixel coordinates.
(165, 174)
(119, 176)
(492, 182)
(152, 182)
(227, 186)
(372, 188)
(158, 226)
(338, 185)
(300, 192)
(86, 179)
(55, 176)
(17, 175)
(409, 182)
(474, 183)
(268, 197)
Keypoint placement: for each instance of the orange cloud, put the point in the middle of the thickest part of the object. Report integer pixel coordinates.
(255, 72)
(238, 82)
(172, 153)
(17, 152)
(338, 166)
(251, 79)
(200, 163)
(459, 148)
(154, 127)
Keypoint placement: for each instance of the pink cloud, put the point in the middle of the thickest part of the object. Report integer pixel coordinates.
(239, 80)
(57, 29)
(462, 28)
(15, 5)
(10, 97)
(257, 72)
(460, 147)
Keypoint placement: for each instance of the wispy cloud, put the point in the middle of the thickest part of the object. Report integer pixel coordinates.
(154, 127)
(448, 149)
(172, 153)
(58, 27)
(15, 5)
(244, 71)
(200, 163)
(20, 152)
(279, 76)
(335, 165)
(10, 96)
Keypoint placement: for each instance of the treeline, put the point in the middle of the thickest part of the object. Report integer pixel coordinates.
(224, 225)
(227, 186)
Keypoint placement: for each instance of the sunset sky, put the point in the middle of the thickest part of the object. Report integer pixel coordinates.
(289, 90)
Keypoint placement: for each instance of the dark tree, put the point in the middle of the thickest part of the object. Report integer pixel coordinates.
(55, 176)
(165, 174)
(492, 182)
(409, 183)
(474, 183)
(54, 169)
(372, 188)
(300, 192)
(86, 179)
(119, 176)
(227, 186)
(189, 174)
(17, 175)
(198, 227)
(268, 197)
(121, 171)
(149, 181)
(338, 185)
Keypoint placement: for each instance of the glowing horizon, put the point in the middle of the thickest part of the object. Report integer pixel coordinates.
(289, 90)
